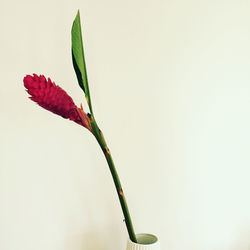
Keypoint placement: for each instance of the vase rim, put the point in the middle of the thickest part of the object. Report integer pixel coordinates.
(145, 239)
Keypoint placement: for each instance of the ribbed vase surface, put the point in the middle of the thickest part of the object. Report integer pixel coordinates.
(145, 242)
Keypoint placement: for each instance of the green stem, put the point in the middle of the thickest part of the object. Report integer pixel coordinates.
(99, 137)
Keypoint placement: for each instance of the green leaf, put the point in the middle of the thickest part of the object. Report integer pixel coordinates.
(78, 58)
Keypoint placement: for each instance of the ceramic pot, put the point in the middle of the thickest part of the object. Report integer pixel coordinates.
(145, 242)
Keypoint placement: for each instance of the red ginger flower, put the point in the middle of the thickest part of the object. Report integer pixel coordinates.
(53, 98)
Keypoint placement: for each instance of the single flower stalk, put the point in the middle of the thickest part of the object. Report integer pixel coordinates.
(53, 98)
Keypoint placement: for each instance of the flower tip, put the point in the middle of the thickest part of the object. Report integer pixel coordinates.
(27, 80)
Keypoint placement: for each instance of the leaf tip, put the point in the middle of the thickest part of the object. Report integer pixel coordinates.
(78, 15)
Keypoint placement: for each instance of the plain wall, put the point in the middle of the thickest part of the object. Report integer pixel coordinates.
(170, 87)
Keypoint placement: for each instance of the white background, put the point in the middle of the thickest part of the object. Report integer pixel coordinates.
(170, 86)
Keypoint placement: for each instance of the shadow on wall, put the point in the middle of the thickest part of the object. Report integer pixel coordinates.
(242, 242)
(87, 241)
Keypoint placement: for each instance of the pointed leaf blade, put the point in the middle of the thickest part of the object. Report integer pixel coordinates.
(78, 57)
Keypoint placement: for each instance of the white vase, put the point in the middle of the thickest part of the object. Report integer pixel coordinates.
(145, 242)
